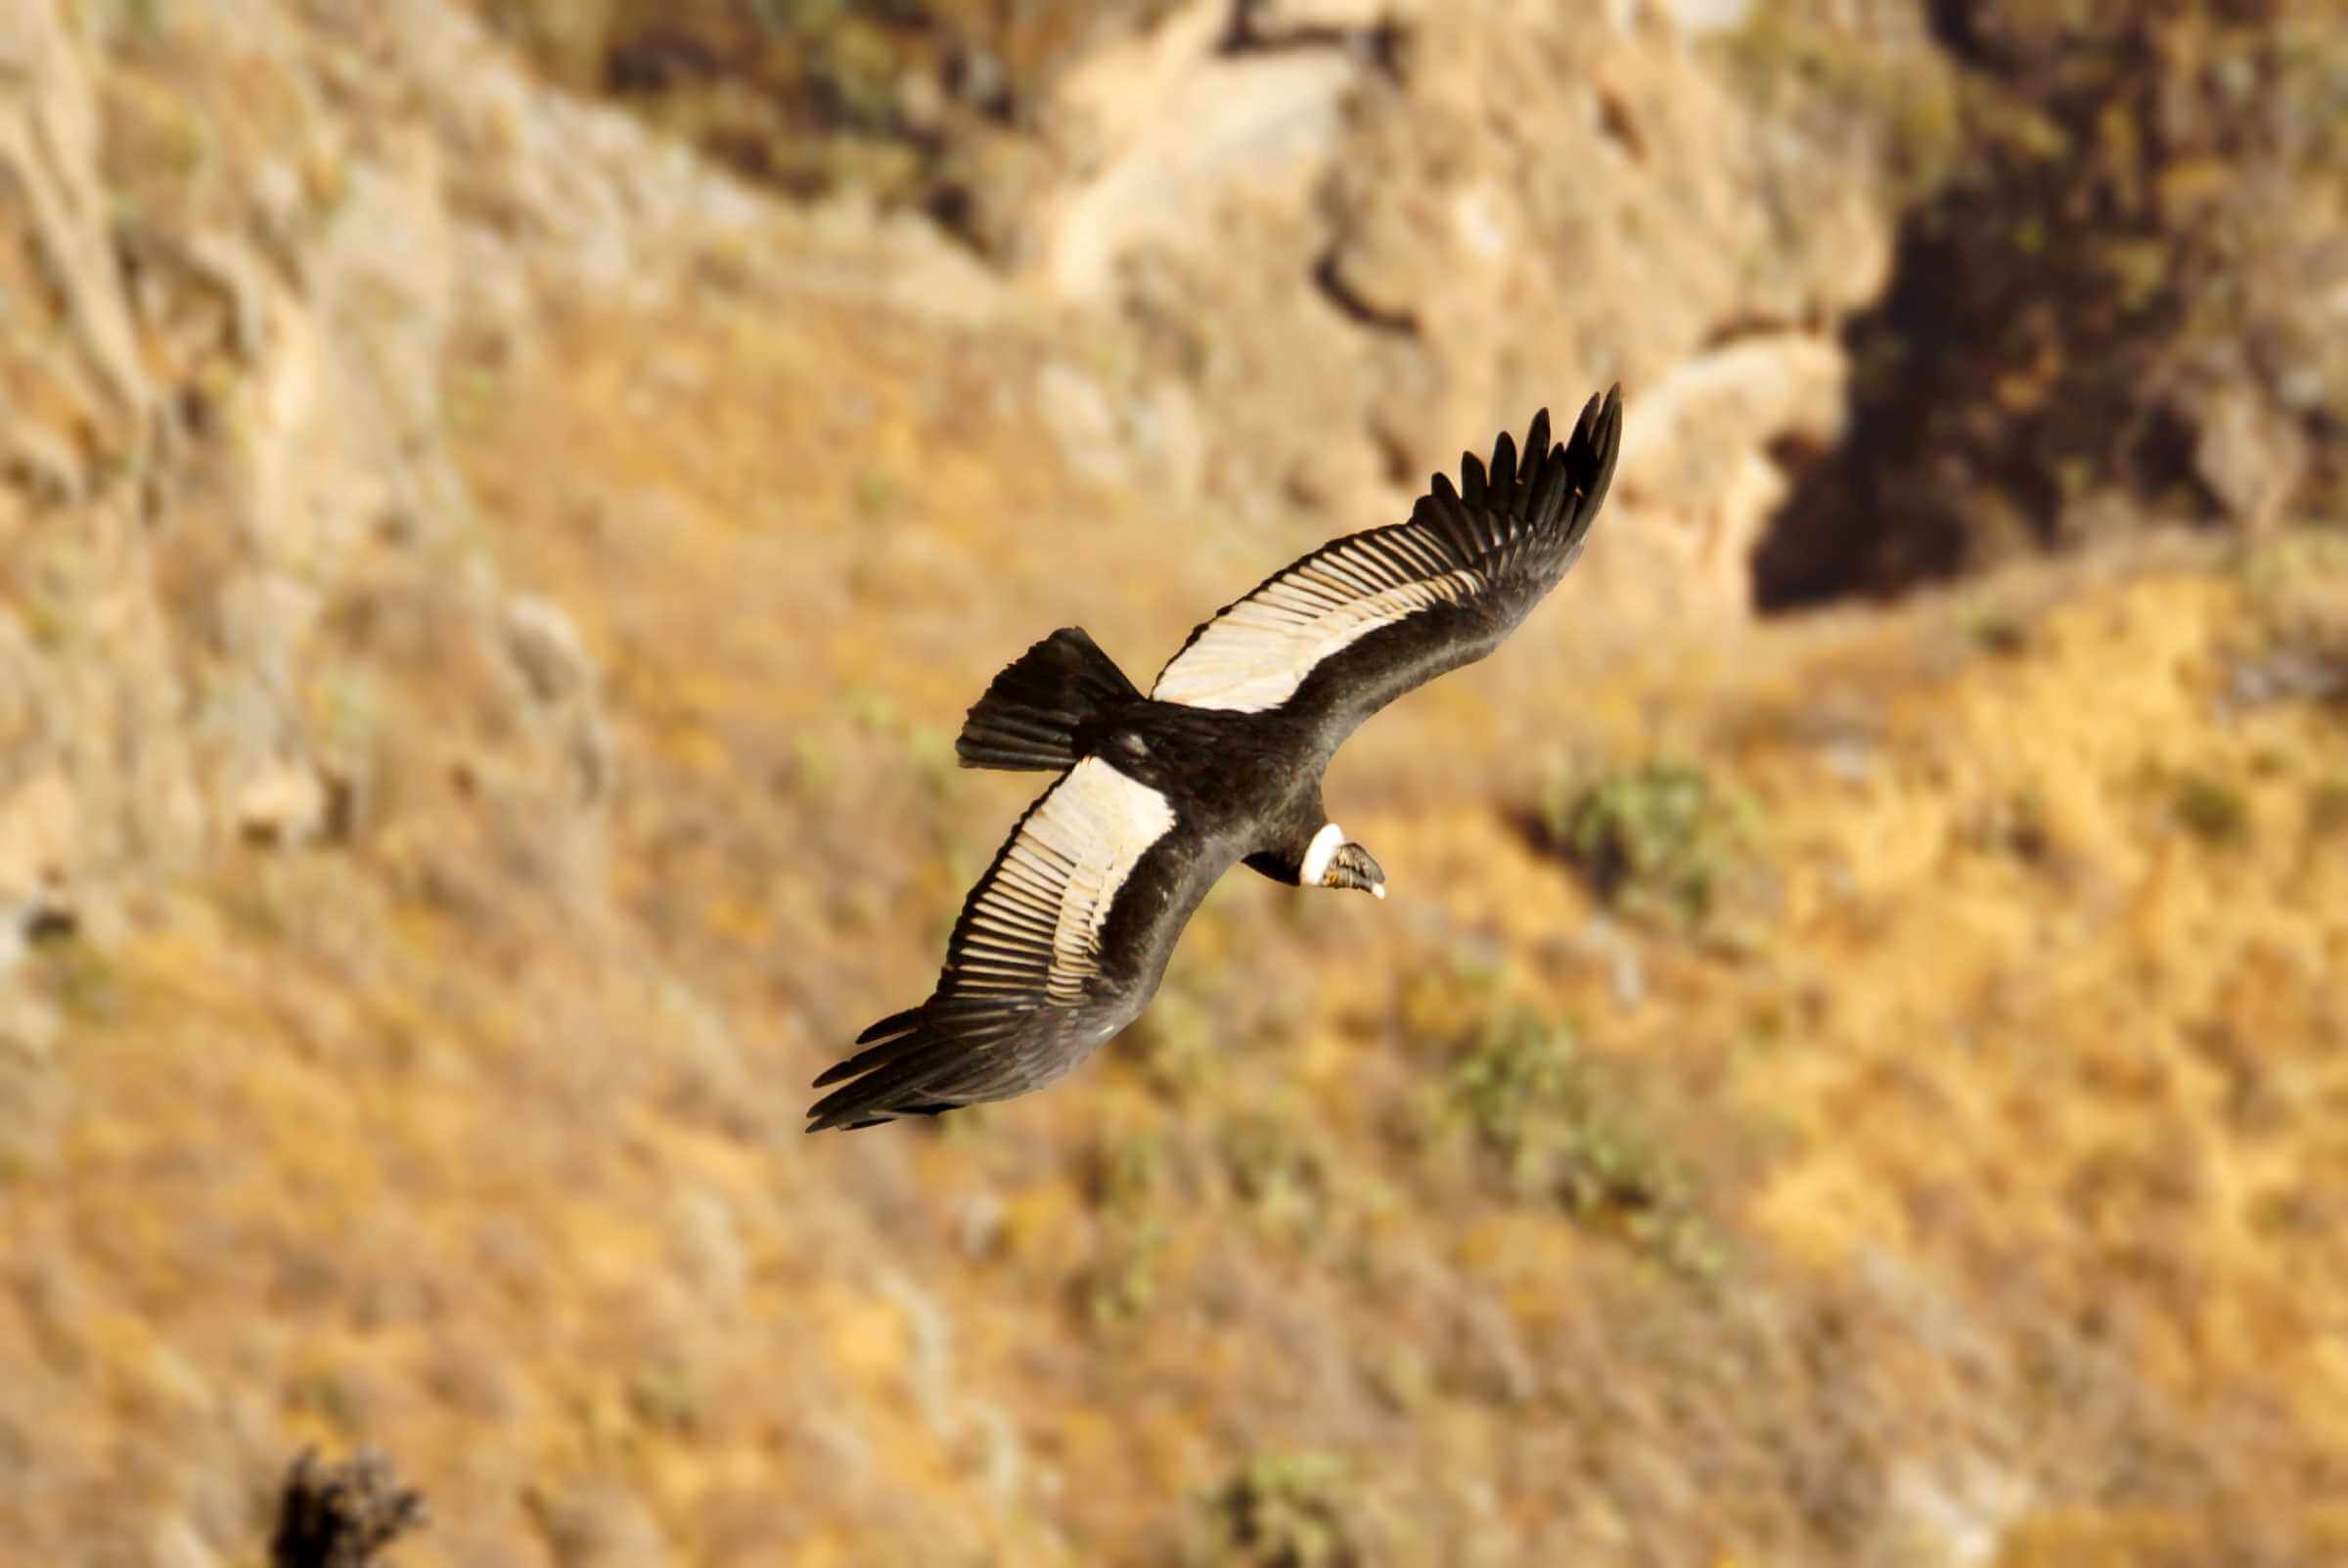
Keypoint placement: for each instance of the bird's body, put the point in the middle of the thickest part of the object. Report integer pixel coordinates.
(1066, 937)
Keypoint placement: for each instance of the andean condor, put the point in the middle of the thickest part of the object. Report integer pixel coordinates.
(1064, 940)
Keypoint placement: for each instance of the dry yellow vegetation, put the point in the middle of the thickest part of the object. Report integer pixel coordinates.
(1967, 1174)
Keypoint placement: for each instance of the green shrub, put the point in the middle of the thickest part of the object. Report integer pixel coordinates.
(1660, 840)
(2212, 810)
(1284, 1510)
(1126, 1169)
(1528, 1101)
(905, 101)
(2327, 809)
(1276, 1170)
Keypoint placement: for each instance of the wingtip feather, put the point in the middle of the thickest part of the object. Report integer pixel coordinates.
(1585, 428)
(1504, 462)
(896, 1023)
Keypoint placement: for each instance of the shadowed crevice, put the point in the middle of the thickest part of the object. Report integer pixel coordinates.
(2099, 317)
(1357, 307)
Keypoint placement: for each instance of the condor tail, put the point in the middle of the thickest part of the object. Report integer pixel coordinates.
(1030, 714)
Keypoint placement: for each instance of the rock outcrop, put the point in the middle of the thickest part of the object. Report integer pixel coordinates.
(1369, 235)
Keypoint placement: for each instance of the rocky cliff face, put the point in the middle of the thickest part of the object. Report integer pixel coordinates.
(2105, 246)
(232, 524)
(1300, 254)
(260, 264)
(1364, 233)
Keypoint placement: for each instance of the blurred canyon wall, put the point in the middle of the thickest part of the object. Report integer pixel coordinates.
(1264, 257)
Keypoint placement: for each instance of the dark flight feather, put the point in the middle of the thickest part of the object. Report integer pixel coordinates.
(1031, 712)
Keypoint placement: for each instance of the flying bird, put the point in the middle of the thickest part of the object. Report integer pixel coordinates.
(1063, 942)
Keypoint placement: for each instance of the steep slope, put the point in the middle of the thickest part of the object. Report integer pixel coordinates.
(488, 601)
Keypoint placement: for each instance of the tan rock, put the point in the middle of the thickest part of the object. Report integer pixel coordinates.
(40, 838)
(1356, 272)
(2251, 457)
(1288, 18)
(1698, 455)
(285, 806)
(1252, 130)
(1696, 18)
(546, 646)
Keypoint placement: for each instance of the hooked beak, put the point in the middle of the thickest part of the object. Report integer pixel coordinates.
(1352, 866)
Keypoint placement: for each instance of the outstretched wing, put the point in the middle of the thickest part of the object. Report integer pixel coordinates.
(1059, 946)
(1365, 618)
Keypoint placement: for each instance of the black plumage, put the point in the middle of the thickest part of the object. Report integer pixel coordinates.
(1065, 939)
(1030, 714)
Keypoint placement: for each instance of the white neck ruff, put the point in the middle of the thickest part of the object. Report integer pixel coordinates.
(1323, 850)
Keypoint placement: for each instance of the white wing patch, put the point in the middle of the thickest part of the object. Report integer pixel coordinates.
(1255, 655)
(1051, 893)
